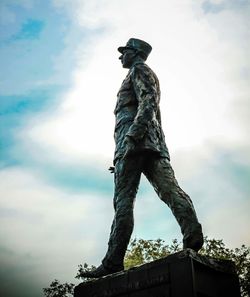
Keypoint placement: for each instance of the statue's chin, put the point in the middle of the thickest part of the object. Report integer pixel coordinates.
(125, 66)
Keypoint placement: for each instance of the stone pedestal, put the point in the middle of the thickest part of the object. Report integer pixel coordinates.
(183, 274)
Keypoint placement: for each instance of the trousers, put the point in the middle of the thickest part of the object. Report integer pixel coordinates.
(160, 174)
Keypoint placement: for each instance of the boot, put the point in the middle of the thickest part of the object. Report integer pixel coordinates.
(100, 271)
(193, 241)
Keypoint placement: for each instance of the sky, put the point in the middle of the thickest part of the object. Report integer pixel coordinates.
(59, 78)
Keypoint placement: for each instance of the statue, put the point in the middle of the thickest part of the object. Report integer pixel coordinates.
(141, 148)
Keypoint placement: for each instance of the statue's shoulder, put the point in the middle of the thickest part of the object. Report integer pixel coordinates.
(143, 72)
(142, 69)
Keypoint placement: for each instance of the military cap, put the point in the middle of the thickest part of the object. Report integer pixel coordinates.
(137, 44)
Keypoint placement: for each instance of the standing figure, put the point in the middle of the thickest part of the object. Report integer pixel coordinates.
(141, 148)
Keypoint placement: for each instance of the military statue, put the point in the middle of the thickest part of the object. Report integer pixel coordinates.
(141, 148)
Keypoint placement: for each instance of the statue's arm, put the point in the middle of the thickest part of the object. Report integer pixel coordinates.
(145, 87)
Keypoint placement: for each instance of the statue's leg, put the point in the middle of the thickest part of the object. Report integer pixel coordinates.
(127, 178)
(161, 175)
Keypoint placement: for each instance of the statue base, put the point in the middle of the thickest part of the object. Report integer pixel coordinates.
(183, 274)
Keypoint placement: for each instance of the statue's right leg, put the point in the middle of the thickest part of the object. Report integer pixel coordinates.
(161, 175)
(127, 178)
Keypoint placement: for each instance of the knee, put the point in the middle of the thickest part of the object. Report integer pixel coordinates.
(165, 196)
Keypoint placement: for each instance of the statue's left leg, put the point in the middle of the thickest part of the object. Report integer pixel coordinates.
(161, 175)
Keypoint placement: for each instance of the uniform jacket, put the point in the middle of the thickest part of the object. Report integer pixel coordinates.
(137, 113)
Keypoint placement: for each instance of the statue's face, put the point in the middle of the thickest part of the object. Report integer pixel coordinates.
(127, 58)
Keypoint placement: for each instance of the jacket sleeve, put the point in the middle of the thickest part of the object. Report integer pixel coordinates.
(146, 90)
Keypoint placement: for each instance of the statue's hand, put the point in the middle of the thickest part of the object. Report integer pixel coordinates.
(130, 146)
(112, 169)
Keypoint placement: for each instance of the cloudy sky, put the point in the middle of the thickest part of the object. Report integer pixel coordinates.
(59, 78)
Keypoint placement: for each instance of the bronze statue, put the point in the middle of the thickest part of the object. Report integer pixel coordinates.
(141, 148)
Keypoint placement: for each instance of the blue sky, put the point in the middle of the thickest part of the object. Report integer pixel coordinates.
(58, 84)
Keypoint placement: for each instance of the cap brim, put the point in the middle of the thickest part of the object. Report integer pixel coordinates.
(121, 49)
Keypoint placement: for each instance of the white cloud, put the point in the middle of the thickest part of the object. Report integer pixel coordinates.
(217, 1)
(55, 230)
(229, 222)
(199, 62)
(197, 71)
(224, 210)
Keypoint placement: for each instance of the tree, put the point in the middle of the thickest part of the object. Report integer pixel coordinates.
(240, 256)
(142, 251)
(56, 289)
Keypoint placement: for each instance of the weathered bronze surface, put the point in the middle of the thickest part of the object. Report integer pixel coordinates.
(141, 148)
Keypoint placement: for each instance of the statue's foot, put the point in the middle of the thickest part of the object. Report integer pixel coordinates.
(99, 272)
(193, 241)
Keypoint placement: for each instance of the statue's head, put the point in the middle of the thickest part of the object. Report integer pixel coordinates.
(132, 50)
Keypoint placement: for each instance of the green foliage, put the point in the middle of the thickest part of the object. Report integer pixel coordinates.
(56, 289)
(84, 268)
(240, 256)
(59, 290)
(142, 251)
